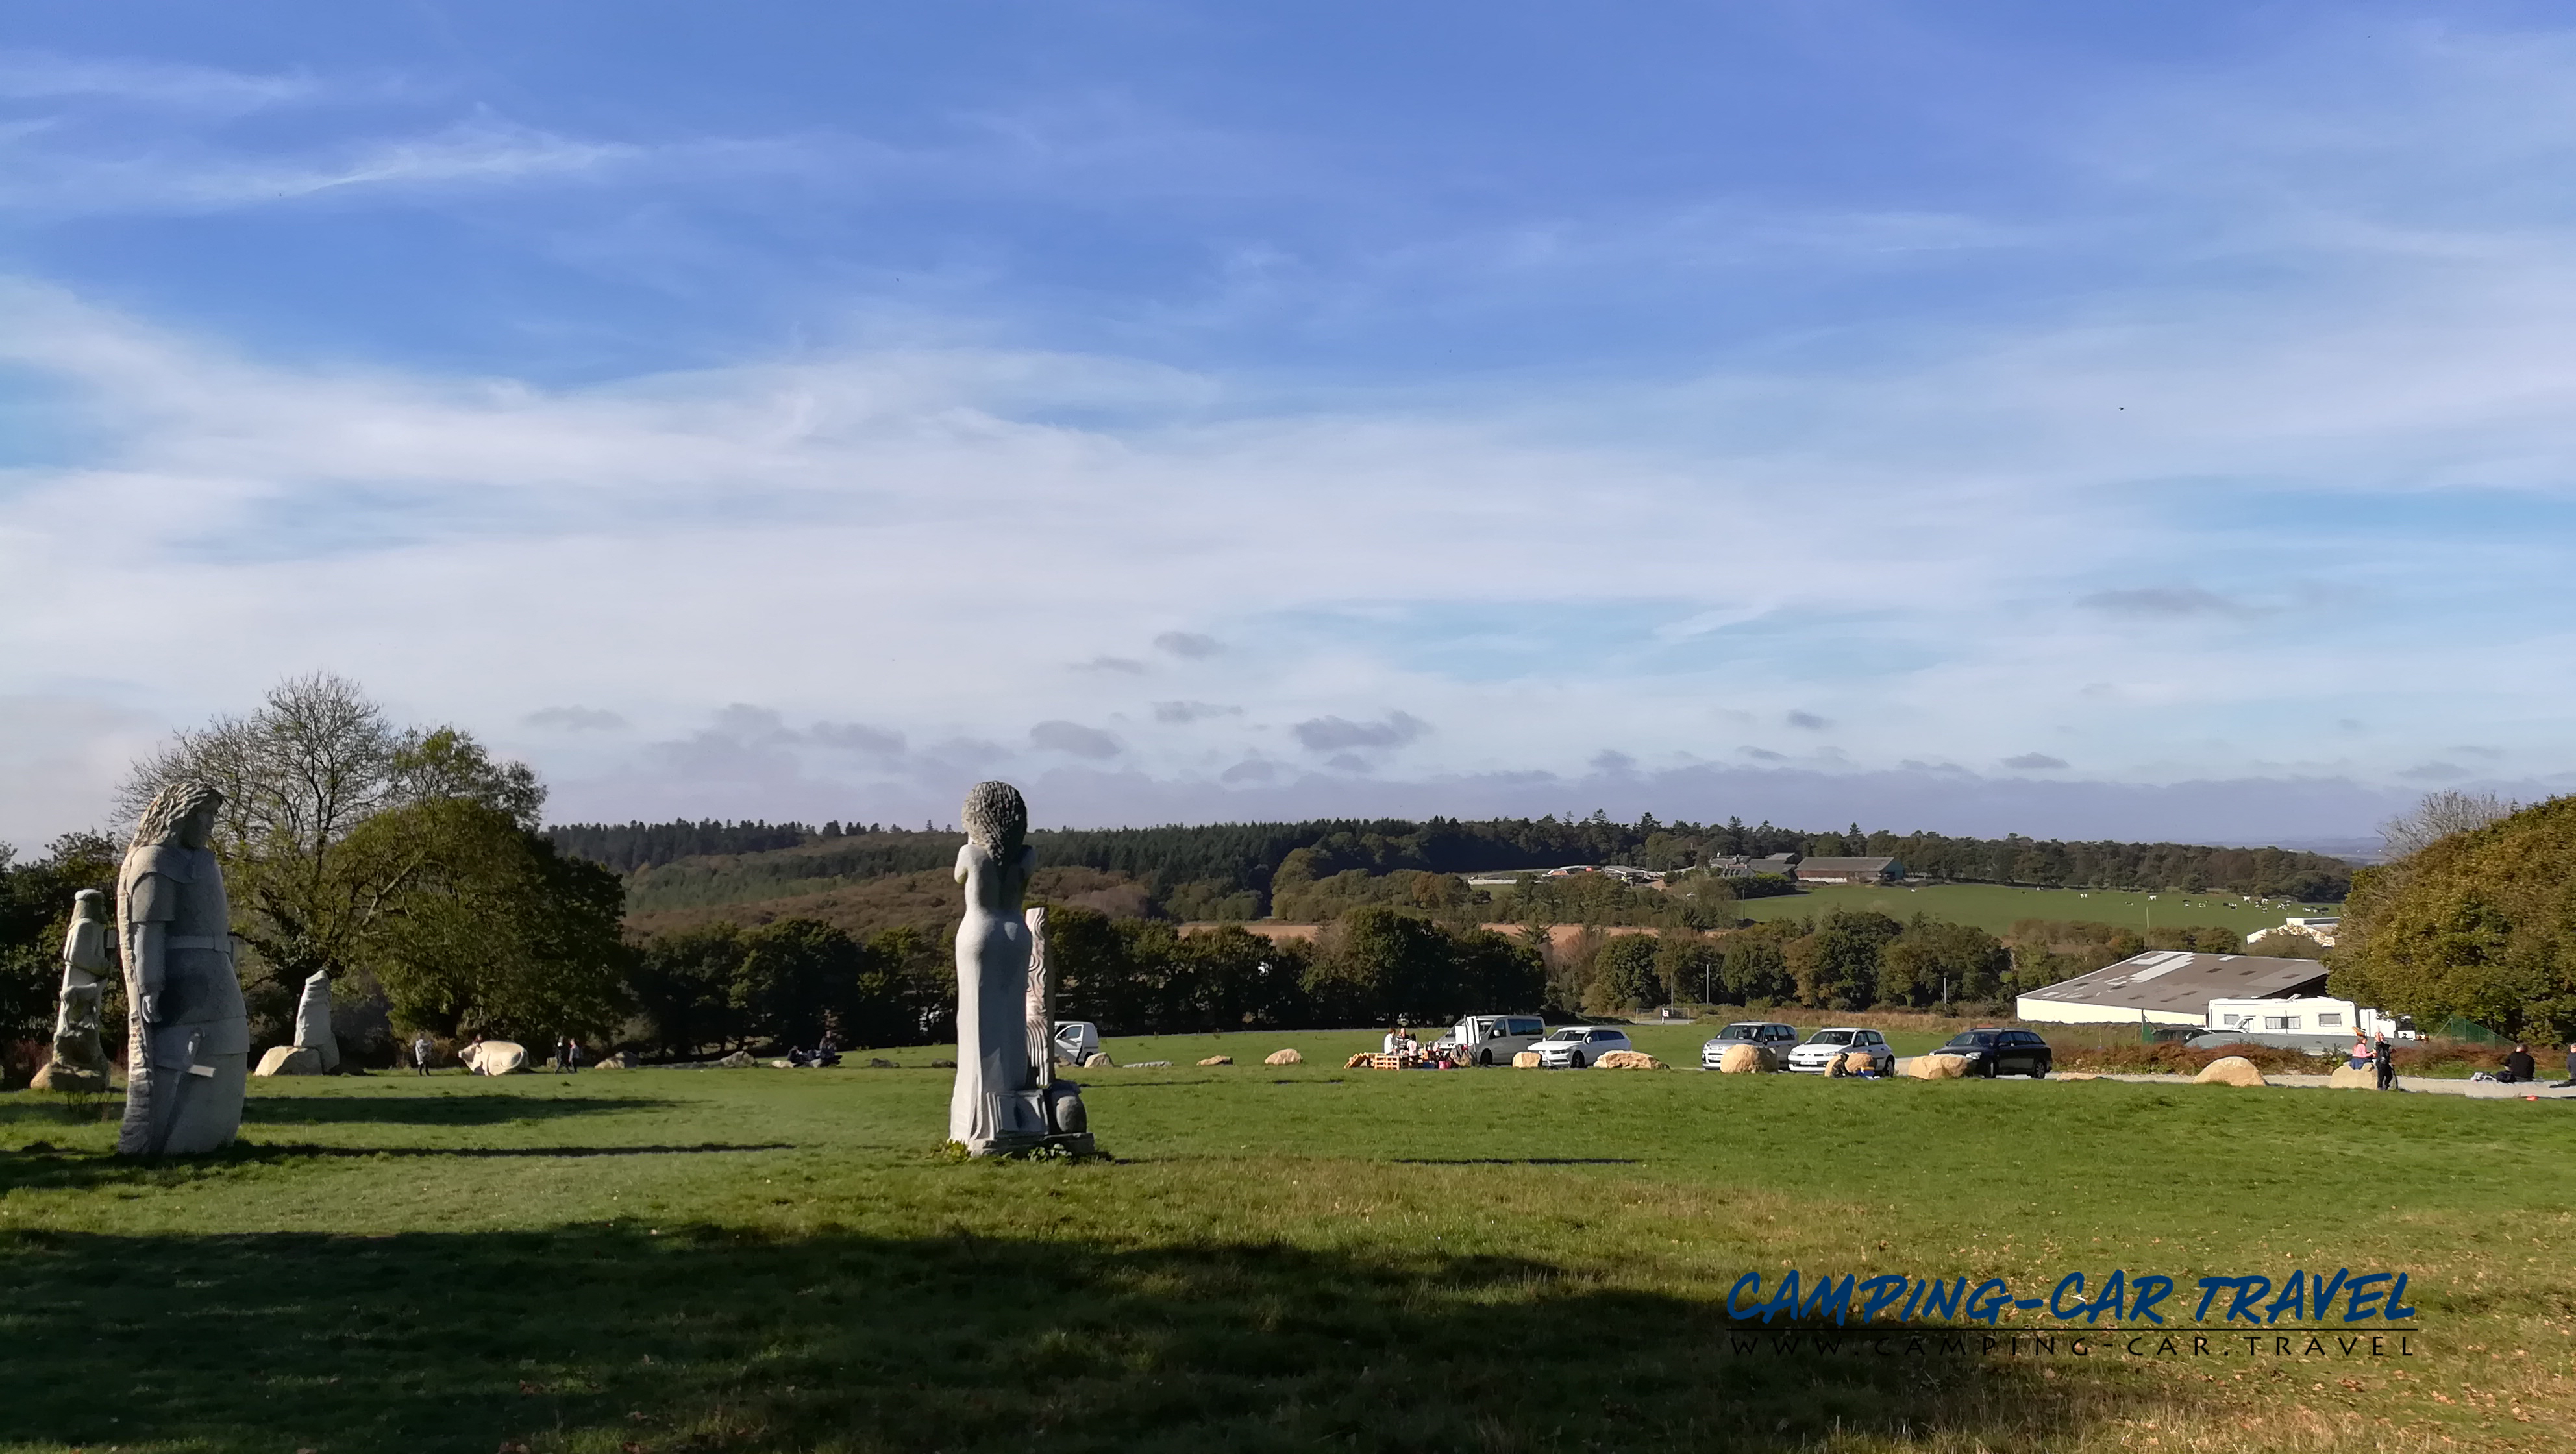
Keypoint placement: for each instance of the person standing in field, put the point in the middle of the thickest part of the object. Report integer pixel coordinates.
(423, 1051)
(2384, 1060)
(568, 1055)
(2571, 1069)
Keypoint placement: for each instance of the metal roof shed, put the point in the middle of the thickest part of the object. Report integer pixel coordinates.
(2169, 987)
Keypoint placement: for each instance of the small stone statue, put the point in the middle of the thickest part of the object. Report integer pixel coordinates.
(188, 1042)
(313, 1021)
(999, 1102)
(79, 1063)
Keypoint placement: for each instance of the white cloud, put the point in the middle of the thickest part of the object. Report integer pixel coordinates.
(1924, 533)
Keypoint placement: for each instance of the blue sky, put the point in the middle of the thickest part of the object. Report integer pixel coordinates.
(2073, 419)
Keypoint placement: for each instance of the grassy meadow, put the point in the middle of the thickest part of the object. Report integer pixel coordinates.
(1995, 907)
(1276, 1258)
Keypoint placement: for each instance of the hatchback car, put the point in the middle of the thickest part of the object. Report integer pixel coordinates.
(1769, 1034)
(1819, 1051)
(2001, 1052)
(1577, 1046)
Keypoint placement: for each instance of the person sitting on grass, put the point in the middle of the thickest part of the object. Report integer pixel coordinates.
(2518, 1067)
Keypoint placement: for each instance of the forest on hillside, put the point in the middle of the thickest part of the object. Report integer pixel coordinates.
(1227, 870)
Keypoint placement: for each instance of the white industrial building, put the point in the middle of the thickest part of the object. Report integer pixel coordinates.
(2173, 987)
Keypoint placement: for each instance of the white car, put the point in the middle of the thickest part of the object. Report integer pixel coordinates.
(1492, 1039)
(1577, 1046)
(1831, 1041)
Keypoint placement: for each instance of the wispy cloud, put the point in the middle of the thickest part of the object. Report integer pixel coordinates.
(574, 719)
(2167, 603)
(41, 76)
(1333, 734)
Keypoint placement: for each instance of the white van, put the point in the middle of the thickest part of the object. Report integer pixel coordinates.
(1493, 1039)
(1076, 1040)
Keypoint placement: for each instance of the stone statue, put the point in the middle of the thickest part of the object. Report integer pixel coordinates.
(1041, 1003)
(79, 1063)
(188, 1043)
(1000, 1102)
(313, 1021)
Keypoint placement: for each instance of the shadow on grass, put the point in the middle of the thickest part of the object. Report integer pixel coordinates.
(483, 1109)
(609, 1336)
(42, 1167)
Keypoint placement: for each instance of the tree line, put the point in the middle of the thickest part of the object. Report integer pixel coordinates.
(1235, 870)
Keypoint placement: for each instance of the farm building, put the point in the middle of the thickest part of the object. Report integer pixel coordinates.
(1850, 871)
(2170, 987)
(1740, 866)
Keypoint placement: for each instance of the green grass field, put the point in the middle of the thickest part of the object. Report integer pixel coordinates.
(1994, 907)
(1278, 1258)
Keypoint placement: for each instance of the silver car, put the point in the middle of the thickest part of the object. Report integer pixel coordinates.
(1771, 1035)
(1577, 1046)
(1825, 1044)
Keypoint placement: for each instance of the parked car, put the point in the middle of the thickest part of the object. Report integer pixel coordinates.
(1577, 1046)
(1827, 1043)
(1075, 1040)
(1492, 1039)
(1770, 1034)
(2001, 1052)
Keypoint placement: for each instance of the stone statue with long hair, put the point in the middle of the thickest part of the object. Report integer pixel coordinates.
(1003, 1099)
(188, 1039)
(78, 1062)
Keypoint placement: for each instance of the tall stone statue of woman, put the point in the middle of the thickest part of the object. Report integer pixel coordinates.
(995, 1105)
(188, 1043)
(78, 1062)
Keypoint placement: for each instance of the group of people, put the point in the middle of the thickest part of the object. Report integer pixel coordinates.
(2375, 1056)
(2521, 1069)
(1409, 1052)
(823, 1056)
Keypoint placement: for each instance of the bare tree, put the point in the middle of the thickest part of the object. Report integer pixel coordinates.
(2439, 816)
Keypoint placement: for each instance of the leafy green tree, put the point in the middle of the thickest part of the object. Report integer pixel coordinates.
(2478, 923)
(1688, 967)
(1383, 964)
(1757, 965)
(796, 981)
(484, 926)
(1837, 966)
(683, 985)
(1933, 956)
(1498, 973)
(1623, 973)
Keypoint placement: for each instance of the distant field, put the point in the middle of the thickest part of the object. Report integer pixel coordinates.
(1994, 907)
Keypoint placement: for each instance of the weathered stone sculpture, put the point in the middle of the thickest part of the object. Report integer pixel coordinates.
(79, 1063)
(1005, 1098)
(313, 1022)
(188, 1045)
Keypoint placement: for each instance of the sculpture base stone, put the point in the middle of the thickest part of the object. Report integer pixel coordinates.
(1071, 1143)
(69, 1079)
